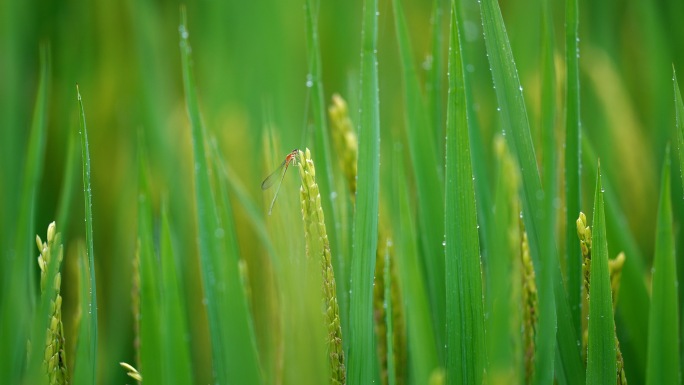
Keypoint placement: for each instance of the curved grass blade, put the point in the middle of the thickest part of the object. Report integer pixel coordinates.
(86, 359)
(465, 351)
(421, 337)
(601, 359)
(428, 183)
(572, 159)
(679, 111)
(554, 310)
(233, 348)
(176, 365)
(363, 366)
(663, 366)
(17, 303)
(151, 322)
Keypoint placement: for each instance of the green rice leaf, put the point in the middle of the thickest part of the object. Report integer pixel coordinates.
(479, 151)
(322, 158)
(434, 87)
(573, 190)
(554, 311)
(17, 303)
(548, 132)
(601, 356)
(421, 337)
(151, 322)
(363, 366)
(233, 348)
(504, 294)
(633, 302)
(679, 110)
(428, 183)
(175, 355)
(241, 332)
(84, 363)
(389, 318)
(663, 365)
(465, 349)
(86, 356)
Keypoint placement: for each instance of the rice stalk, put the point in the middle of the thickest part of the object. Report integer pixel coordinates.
(131, 371)
(381, 312)
(345, 141)
(55, 363)
(530, 308)
(318, 247)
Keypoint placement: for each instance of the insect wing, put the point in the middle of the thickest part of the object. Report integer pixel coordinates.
(273, 178)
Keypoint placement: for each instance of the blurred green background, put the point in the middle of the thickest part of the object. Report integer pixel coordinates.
(251, 65)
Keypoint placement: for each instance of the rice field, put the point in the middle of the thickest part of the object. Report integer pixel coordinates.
(480, 192)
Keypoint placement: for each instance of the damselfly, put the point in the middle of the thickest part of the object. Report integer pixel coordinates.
(271, 179)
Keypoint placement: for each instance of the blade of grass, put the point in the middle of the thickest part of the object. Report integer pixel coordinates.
(428, 183)
(480, 157)
(465, 359)
(503, 293)
(389, 319)
(17, 301)
(421, 338)
(84, 364)
(363, 366)
(241, 334)
(151, 321)
(679, 112)
(233, 351)
(86, 360)
(175, 350)
(601, 359)
(633, 303)
(322, 158)
(436, 76)
(548, 126)
(663, 366)
(554, 310)
(573, 190)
